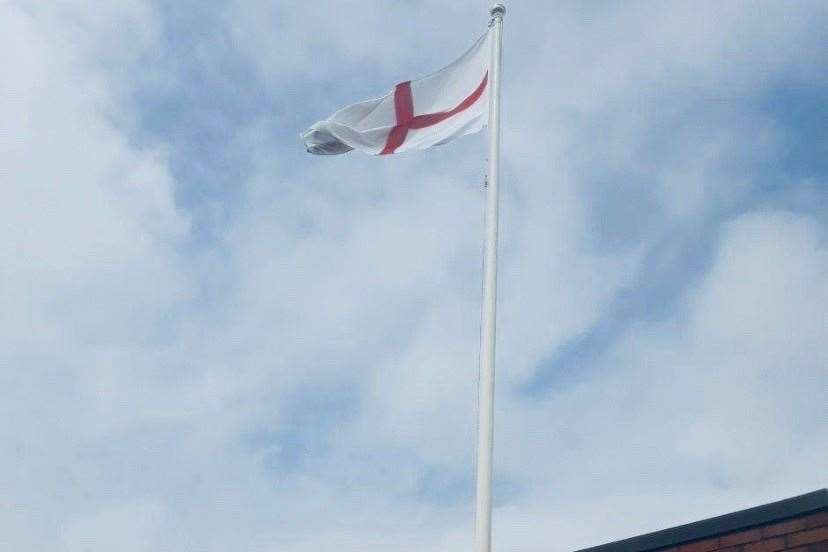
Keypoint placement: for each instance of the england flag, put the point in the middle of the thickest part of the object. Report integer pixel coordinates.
(416, 115)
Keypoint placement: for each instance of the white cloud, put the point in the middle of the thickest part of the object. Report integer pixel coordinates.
(307, 380)
(701, 405)
(91, 274)
(134, 526)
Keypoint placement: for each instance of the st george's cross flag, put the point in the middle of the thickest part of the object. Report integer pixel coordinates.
(416, 115)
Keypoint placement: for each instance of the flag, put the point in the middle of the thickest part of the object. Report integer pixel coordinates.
(416, 115)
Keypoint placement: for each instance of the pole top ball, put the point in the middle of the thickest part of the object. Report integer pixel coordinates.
(498, 10)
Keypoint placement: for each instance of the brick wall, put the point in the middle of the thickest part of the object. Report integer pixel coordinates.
(808, 533)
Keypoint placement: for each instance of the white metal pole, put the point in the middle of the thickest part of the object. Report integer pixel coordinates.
(485, 405)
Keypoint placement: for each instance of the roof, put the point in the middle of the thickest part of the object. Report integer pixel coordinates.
(728, 523)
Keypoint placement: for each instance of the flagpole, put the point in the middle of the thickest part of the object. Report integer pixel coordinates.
(485, 405)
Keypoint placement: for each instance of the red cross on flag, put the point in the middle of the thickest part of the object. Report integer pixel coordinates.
(416, 115)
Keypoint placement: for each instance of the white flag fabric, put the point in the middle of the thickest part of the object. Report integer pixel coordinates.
(416, 115)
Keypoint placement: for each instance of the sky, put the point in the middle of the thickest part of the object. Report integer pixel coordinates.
(212, 341)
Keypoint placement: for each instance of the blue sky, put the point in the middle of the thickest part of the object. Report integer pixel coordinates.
(214, 341)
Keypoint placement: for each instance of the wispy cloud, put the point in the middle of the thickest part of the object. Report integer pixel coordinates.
(212, 341)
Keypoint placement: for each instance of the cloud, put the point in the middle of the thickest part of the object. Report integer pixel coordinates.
(91, 271)
(699, 404)
(212, 341)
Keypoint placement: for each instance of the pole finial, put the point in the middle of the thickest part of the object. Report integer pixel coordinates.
(497, 11)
